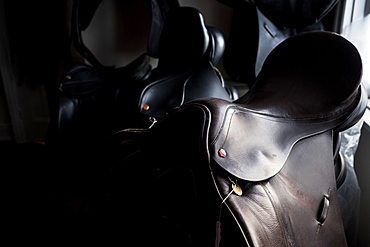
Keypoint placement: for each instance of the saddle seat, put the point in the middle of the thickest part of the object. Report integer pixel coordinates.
(262, 167)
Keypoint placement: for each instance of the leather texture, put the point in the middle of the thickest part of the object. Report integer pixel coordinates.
(261, 167)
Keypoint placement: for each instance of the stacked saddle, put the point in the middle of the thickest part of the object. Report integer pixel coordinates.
(256, 171)
(95, 101)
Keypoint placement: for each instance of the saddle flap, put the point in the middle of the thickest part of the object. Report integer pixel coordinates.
(82, 80)
(163, 95)
(254, 147)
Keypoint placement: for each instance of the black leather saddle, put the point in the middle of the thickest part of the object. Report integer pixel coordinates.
(258, 26)
(188, 53)
(255, 172)
(96, 101)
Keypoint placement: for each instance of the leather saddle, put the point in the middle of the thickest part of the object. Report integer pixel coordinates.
(255, 172)
(188, 53)
(258, 26)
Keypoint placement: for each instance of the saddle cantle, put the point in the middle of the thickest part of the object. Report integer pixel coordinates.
(261, 167)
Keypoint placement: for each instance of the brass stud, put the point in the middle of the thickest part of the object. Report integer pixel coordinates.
(146, 107)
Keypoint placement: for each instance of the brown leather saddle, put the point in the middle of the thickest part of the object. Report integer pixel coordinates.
(256, 172)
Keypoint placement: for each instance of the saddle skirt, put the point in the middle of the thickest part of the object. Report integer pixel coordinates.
(261, 167)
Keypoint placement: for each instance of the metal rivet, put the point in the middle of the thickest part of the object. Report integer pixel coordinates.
(222, 153)
(146, 107)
